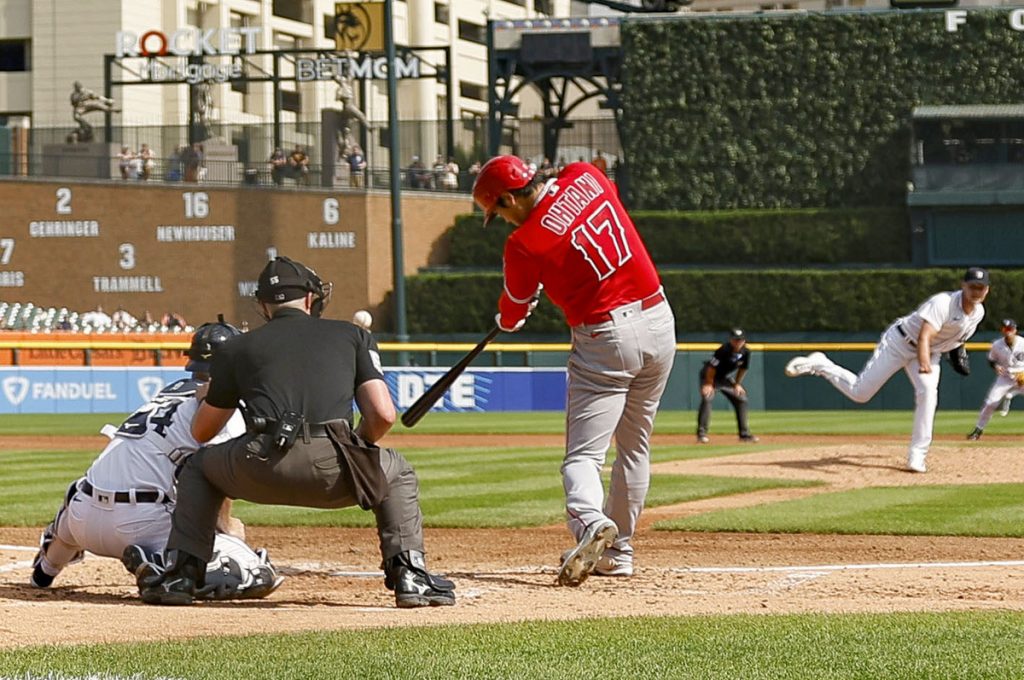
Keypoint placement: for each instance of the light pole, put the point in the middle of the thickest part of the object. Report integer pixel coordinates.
(397, 256)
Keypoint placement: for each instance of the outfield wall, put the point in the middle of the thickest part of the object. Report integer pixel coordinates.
(104, 389)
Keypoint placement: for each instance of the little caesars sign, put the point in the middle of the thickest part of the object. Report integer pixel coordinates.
(194, 42)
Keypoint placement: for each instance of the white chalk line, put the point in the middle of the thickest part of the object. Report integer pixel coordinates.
(15, 566)
(849, 567)
(20, 548)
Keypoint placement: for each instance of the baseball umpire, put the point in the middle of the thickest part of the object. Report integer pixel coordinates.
(716, 374)
(297, 376)
(1006, 357)
(122, 506)
(575, 238)
(915, 344)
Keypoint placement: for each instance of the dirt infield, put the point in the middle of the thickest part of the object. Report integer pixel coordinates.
(508, 575)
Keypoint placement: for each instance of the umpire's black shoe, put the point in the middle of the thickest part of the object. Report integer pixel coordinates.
(179, 583)
(406, 573)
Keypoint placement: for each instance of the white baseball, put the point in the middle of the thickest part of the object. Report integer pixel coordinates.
(363, 319)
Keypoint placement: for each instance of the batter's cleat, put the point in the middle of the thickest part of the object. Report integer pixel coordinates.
(40, 579)
(579, 562)
(1004, 406)
(805, 365)
(975, 434)
(178, 585)
(749, 438)
(406, 573)
(703, 439)
(614, 565)
(915, 463)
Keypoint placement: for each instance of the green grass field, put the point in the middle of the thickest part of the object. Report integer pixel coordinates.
(471, 486)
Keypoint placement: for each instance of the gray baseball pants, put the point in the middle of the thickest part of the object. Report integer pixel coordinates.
(617, 373)
(308, 475)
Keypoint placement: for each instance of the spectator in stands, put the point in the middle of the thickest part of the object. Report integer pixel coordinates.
(419, 178)
(174, 171)
(600, 163)
(298, 165)
(148, 161)
(124, 162)
(96, 319)
(191, 162)
(547, 168)
(122, 320)
(437, 179)
(450, 180)
(356, 166)
(173, 321)
(561, 164)
(278, 166)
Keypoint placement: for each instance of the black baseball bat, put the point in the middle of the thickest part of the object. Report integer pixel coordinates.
(420, 407)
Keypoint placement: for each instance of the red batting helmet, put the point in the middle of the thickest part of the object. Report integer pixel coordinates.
(498, 175)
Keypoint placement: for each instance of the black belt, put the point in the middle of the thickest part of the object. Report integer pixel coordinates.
(124, 496)
(315, 429)
(899, 329)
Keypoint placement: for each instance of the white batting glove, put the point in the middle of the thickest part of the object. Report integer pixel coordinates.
(518, 325)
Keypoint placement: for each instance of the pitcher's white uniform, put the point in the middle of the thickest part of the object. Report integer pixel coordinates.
(102, 512)
(897, 349)
(1008, 361)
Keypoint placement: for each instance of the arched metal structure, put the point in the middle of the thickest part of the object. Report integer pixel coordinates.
(568, 61)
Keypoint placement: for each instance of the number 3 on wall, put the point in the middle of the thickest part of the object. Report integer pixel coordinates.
(602, 241)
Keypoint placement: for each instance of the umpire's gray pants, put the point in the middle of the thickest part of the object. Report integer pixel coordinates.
(309, 475)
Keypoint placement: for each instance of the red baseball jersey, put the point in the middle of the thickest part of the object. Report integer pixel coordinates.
(579, 242)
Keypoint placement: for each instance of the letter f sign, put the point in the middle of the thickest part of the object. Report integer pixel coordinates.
(955, 18)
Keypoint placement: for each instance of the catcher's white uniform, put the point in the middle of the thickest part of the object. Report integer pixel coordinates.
(128, 494)
(1008, 362)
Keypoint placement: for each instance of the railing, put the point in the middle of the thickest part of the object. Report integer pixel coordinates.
(226, 173)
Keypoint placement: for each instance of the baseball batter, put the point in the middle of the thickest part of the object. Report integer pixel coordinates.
(122, 506)
(914, 343)
(575, 239)
(1007, 359)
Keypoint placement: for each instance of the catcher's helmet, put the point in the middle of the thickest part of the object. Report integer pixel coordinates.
(284, 279)
(205, 342)
(498, 175)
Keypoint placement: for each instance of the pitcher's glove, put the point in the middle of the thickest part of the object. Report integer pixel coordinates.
(959, 361)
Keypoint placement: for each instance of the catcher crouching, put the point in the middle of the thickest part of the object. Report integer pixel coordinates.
(298, 376)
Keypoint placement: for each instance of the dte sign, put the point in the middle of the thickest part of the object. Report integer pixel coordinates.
(461, 395)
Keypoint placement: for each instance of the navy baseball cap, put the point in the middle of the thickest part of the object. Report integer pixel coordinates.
(737, 334)
(976, 275)
(1009, 324)
(283, 280)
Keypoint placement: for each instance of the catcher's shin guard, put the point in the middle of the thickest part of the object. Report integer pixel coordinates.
(406, 573)
(179, 583)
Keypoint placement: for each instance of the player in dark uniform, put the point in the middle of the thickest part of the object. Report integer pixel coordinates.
(715, 375)
(297, 377)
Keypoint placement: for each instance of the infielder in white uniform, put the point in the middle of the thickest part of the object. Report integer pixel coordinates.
(122, 506)
(914, 343)
(1007, 360)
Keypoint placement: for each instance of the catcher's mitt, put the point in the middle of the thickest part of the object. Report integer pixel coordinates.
(959, 361)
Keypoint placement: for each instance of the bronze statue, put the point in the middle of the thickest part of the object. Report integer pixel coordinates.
(346, 96)
(83, 101)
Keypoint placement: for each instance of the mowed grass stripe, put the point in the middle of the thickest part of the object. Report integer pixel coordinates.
(963, 645)
(967, 510)
(856, 420)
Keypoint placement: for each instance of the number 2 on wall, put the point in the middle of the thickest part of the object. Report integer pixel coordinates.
(602, 241)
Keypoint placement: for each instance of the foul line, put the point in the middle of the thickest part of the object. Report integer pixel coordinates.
(22, 548)
(848, 567)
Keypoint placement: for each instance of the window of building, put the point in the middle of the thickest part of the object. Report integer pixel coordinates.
(518, 3)
(544, 7)
(329, 26)
(441, 14)
(14, 55)
(291, 101)
(296, 10)
(473, 91)
(472, 32)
